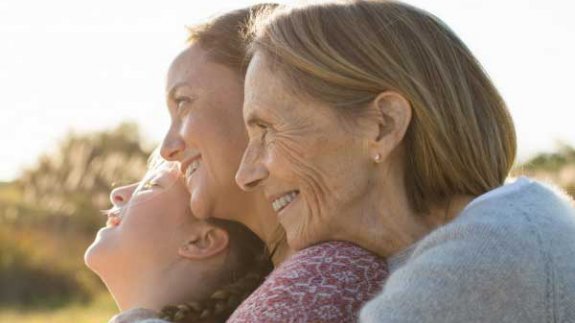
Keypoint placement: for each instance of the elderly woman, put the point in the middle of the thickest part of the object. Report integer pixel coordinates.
(371, 122)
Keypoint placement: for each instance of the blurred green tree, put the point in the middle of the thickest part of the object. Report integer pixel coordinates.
(51, 213)
(74, 182)
(557, 167)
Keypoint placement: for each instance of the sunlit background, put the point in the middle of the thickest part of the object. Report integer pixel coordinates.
(81, 77)
(86, 65)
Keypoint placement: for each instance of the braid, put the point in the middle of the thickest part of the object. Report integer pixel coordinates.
(249, 265)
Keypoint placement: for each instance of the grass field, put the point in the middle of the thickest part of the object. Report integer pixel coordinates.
(99, 311)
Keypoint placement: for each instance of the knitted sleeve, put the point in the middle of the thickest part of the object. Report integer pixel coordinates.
(472, 271)
(328, 282)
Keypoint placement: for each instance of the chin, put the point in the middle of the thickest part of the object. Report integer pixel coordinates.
(199, 204)
(91, 257)
(97, 255)
(296, 240)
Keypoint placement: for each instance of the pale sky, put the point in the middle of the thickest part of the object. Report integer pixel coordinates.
(89, 65)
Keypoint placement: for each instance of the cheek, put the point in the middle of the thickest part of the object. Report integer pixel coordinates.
(301, 161)
(188, 130)
(201, 200)
(328, 171)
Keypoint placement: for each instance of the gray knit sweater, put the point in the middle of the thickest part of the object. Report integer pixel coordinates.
(508, 257)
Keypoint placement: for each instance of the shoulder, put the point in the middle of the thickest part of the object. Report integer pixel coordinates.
(325, 282)
(137, 315)
(493, 263)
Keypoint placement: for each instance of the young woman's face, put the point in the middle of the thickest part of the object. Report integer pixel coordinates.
(206, 134)
(148, 223)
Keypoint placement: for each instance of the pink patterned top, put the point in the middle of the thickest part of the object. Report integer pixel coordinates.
(328, 282)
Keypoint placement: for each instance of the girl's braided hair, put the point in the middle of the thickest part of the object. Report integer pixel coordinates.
(249, 262)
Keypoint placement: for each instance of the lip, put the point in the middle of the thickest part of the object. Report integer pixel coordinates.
(274, 197)
(114, 218)
(184, 165)
(113, 222)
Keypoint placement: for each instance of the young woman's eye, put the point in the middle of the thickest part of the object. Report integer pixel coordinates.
(182, 105)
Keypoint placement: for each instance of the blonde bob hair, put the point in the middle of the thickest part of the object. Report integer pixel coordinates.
(461, 139)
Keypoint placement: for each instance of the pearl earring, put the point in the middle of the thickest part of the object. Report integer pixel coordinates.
(377, 158)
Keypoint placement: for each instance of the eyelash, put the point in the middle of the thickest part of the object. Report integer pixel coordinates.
(149, 185)
(179, 102)
(263, 128)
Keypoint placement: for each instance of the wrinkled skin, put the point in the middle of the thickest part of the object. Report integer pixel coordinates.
(297, 144)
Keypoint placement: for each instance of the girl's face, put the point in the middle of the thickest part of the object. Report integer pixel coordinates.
(147, 224)
(206, 134)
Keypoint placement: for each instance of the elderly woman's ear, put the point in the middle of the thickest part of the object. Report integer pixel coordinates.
(392, 114)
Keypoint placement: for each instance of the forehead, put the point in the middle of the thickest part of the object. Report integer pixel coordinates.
(165, 171)
(187, 62)
(195, 69)
(263, 89)
(268, 96)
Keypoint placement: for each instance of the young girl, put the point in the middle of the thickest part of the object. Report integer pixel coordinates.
(154, 252)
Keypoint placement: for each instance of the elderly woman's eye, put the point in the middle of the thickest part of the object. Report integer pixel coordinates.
(263, 128)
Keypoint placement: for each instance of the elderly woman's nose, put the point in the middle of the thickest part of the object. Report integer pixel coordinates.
(173, 146)
(121, 195)
(251, 172)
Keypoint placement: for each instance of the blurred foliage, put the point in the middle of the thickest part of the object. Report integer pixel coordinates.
(98, 311)
(557, 167)
(75, 181)
(50, 215)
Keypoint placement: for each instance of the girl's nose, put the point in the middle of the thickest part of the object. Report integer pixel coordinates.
(121, 195)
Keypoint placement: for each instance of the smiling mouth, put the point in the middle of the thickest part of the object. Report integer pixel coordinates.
(192, 167)
(114, 218)
(283, 201)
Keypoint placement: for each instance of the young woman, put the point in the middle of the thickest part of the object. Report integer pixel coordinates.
(326, 282)
(154, 252)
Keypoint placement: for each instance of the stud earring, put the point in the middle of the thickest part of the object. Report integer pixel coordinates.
(377, 158)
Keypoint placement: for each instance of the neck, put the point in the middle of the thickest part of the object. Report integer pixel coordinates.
(385, 227)
(388, 225)
(445, 213)
(153, 289)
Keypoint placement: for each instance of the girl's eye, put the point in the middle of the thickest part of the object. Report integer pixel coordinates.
(150, 185)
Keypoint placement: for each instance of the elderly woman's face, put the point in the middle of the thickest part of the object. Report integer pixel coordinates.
(312, 169)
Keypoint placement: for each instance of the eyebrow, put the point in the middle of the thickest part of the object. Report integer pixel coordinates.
(253, 118)
(173, 89)
(171, 94)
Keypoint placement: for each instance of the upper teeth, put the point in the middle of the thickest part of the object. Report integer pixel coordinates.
(192, 168)
(281, 202)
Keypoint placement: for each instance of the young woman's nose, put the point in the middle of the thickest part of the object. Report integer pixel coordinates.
(251, 172)
(121, 195)
(172, 147)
